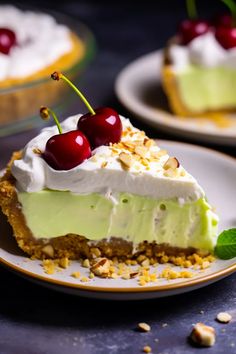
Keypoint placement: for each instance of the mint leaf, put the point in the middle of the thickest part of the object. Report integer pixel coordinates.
(226, 244)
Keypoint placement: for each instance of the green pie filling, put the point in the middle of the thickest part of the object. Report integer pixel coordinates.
(203, 89)
(135, 218)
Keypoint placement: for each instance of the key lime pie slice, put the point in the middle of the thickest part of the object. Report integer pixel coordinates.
(199, 71)
(103, 183)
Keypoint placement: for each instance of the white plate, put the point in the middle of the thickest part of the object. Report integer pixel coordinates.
(216, 172)
(138, 87)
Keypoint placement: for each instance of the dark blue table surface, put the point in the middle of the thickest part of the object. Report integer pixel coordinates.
(35, 320)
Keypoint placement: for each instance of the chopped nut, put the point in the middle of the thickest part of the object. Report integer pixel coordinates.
(141, 151)
(104, 164)
(64, 262)
(86, 263)
(126, 159)
(205, 265)
(145, 263)
(144, 162)
(224, 317)
(203, 335)
(95, 252)
(142, 282)
(185, 274)
(125, 276)
(148, 142)
(49, 266)
(141, 258)
(147, 349)
(37, 151)
(101, 268)
(172, 163)
(76, 275)
(129, 146)
(48, 250)
(133, 275)
(114, 275)
(144, 327)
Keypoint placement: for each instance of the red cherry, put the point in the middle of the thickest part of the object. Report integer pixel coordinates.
(101, 128)
(226, 36)
(7, 40)
(190, 29)
(224, 20)
(67, 150)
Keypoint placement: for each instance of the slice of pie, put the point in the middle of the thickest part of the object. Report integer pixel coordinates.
(199, 77)
(32, 44)
(128, 198)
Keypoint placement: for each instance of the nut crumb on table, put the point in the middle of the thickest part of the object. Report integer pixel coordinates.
(224, 317)
(203, 335)
(144, 327)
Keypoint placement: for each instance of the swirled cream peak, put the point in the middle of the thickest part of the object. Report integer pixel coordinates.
(134, 165)
(204, 51)
(40, 42)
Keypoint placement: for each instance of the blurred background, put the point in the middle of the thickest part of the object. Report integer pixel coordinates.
(123, 31)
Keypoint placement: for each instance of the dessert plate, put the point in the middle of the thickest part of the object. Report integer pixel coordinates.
(216, 173)
(138, 87)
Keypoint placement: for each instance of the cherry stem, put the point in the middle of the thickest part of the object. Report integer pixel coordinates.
(232, 7)
(191, 9)
(91, 110)
(46, 112)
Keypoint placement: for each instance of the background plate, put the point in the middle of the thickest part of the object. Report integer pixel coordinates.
(216, 172)
(138, 87)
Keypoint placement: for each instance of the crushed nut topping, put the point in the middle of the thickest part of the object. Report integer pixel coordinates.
(172, 163)
(203, 335)
(141, 150)
(37, 151)
(148, 142)
(126, 160)
(104, 164)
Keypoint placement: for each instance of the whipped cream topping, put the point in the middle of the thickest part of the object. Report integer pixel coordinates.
(40, 42)
(104, 172)
(204, 51)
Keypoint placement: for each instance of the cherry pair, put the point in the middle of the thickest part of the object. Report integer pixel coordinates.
(224, 32)
(224, 26)
(98, 127)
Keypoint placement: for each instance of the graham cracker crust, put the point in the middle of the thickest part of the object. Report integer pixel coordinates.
(74, 246)
(171, 89)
